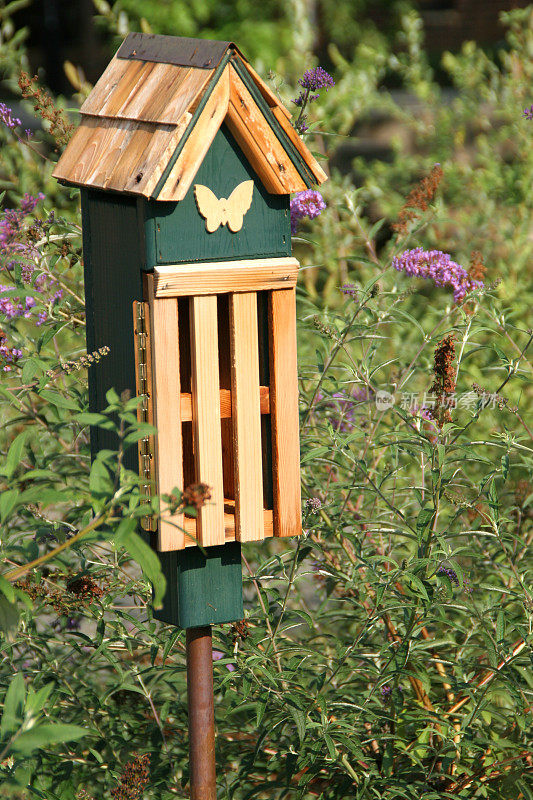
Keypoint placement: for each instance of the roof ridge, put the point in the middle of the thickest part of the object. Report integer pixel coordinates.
(182, 51)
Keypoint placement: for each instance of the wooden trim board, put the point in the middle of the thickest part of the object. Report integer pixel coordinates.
(284, 413)
(166, 410)
(218, 277)
(205, 390)
(246, 414)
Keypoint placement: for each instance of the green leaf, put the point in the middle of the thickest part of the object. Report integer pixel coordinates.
(299, 718)
(98, 420)
(7, 589)
(58, 400)
(41, 736)
(13, 706)
(15, 453)
(505, 466)
(99, 479)
(143, 554)
(31, 368)
(9, 616)
(500, 626)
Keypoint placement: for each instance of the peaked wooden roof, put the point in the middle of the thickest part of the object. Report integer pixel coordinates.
(149, 121)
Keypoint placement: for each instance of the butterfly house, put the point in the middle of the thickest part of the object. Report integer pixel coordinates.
(186, 162)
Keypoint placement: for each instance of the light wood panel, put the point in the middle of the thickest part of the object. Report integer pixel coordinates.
(284, 413)
(206, 416)
(190, 525)
(145, 91)
(119, 154)
(166, 410)
(246, 414)
(263, 146)
(144, 166)
(217, 277)
(225, 403)
(199, 141)
(271, 98)
(300, 145)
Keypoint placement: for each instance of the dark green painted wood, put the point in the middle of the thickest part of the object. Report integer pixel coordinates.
(203, 588)
(112, 256)
(175, 232)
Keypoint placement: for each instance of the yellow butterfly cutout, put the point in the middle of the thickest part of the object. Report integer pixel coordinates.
(228, 211)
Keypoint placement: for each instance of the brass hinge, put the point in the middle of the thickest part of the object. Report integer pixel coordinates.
(143, 374)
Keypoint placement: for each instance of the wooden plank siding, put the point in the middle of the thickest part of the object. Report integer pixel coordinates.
(206, 416)
(166, 410)
(182, 173)
(262, 147)
(225, 276)
(284, 413)
(246, 414)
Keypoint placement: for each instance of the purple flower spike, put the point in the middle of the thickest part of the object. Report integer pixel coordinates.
(438, 267)
(306, 204)
(317, 78)
(528, 112)
(6, 116)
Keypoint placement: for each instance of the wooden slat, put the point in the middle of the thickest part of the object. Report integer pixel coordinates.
(249, 146)
(284, 413)
(206, 416)
(300, 145)
(264, 144)
(225, 404)
(166, 410)
(105, 85)
(224, 372)
(182, 173)
(272, 100)
(216, 277)
(190, 526)
(246, 416)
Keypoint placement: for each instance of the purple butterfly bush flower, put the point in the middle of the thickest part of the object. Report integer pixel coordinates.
(436, 266)
(309, 203)
(315, 79)
(6, 116)
(217, 655)
(528, 113)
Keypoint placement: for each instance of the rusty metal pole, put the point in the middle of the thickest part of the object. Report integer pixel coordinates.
(201, 713)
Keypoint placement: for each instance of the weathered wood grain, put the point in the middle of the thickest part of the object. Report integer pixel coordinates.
(145, 91)
(225, 276)
(284, 413)
(267, 145)
(272, 99)
(246, 414)
(300, 145)
(166, 410)
(182, 173)
(206, 415)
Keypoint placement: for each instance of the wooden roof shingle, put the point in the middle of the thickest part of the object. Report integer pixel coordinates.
(150, 119)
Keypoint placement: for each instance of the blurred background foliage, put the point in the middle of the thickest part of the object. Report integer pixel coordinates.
(388, 653)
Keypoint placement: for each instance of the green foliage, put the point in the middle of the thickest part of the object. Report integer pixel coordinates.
(387, 654)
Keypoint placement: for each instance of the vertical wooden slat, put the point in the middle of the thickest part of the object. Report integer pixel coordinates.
(284, 413)
(246, 413)
(224, 362)
(166, 410)
(206, 416)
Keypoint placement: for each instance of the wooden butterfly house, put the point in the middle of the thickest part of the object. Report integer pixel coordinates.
(186, 161)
